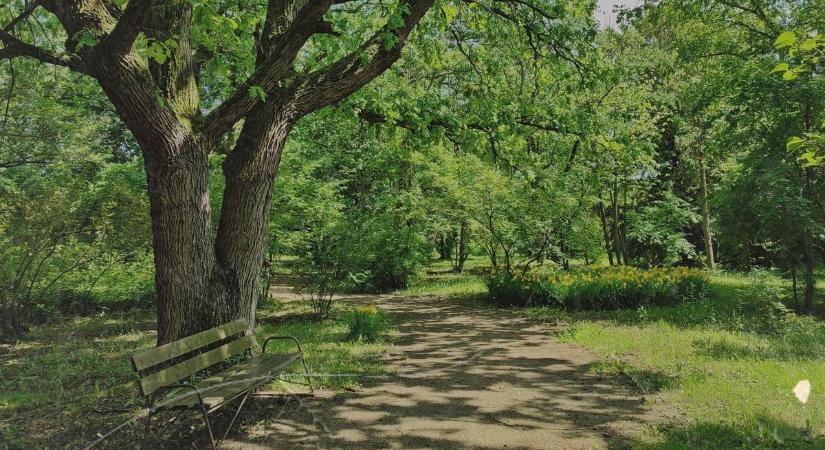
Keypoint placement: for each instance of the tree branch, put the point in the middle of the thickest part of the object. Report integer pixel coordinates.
(22, 162)
(128, 26)
(23, 16)
(335, 82)
(15, 48)
(289, 24)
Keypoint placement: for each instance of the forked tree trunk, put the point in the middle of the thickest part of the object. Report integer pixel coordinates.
(202, 282)
(250, 172)
(193, 293)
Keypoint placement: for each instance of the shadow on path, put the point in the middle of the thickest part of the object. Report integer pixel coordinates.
(462, 377)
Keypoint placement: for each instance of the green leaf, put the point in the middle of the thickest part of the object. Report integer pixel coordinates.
(810, 159)
(780, 68)
(789, 75)
(794, 143)
(84, 39)
(450, 11)
(807, 45)
(156, 51)
(257, 92)
(785, 39)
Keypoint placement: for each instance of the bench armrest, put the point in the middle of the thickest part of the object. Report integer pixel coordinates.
(272, 338)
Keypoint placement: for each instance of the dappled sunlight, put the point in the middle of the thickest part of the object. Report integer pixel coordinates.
(478, 377)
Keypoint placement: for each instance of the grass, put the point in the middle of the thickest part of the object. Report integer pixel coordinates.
(65, 382)
(438, 280)
(732, 385)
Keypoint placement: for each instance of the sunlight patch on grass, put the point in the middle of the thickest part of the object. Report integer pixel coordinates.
(713, 376)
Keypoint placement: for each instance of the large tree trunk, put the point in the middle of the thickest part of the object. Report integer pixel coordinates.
(250, 172)
(193, 293)
(200, 282)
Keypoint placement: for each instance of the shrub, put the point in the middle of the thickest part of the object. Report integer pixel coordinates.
(598, 289)
(507, 289)
(366, 323)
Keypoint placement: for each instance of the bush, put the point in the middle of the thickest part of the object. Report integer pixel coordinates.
(598, 289)
(366, 324)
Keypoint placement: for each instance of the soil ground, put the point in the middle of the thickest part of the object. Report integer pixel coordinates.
(462, 376)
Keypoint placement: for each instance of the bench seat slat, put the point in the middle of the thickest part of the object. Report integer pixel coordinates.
(174, 374)
(163, 353)
(231, 383)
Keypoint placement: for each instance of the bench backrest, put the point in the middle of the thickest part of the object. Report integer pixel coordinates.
(236, 334)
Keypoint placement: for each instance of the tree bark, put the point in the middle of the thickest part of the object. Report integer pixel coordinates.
(250, 172)
(193, 293)
(461, 247)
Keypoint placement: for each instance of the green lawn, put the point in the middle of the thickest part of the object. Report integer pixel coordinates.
(732, 386)
(67, 381)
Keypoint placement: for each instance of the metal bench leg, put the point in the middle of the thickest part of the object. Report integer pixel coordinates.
(232, 422)
(208, 426)
(148, 425)
(306, 374)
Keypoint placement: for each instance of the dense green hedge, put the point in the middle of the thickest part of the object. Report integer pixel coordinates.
(598, 289)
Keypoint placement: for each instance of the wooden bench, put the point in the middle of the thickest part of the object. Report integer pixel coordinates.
(162, 371)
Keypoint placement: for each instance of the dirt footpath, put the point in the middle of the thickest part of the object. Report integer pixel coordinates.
(463, 377)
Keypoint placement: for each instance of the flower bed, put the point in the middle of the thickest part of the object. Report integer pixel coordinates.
(598, 289)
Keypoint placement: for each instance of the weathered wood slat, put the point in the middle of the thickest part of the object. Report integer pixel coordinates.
(229, 384)
(171, 375)
(157, 355)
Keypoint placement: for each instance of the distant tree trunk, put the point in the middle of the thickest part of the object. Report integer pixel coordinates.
(605, 231)
(617, 240)
(623, 226)
(708, 237)
(461, 248)
(809, 251)
(445, 244)
(810, 280)
(793, 284)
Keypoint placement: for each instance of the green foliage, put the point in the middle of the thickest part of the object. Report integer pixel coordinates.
(659, 231)
(366, 324)
(598, 289)
(807, 55)
(74, 231)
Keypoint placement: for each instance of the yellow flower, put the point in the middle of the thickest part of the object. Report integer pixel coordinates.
(371, 309)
